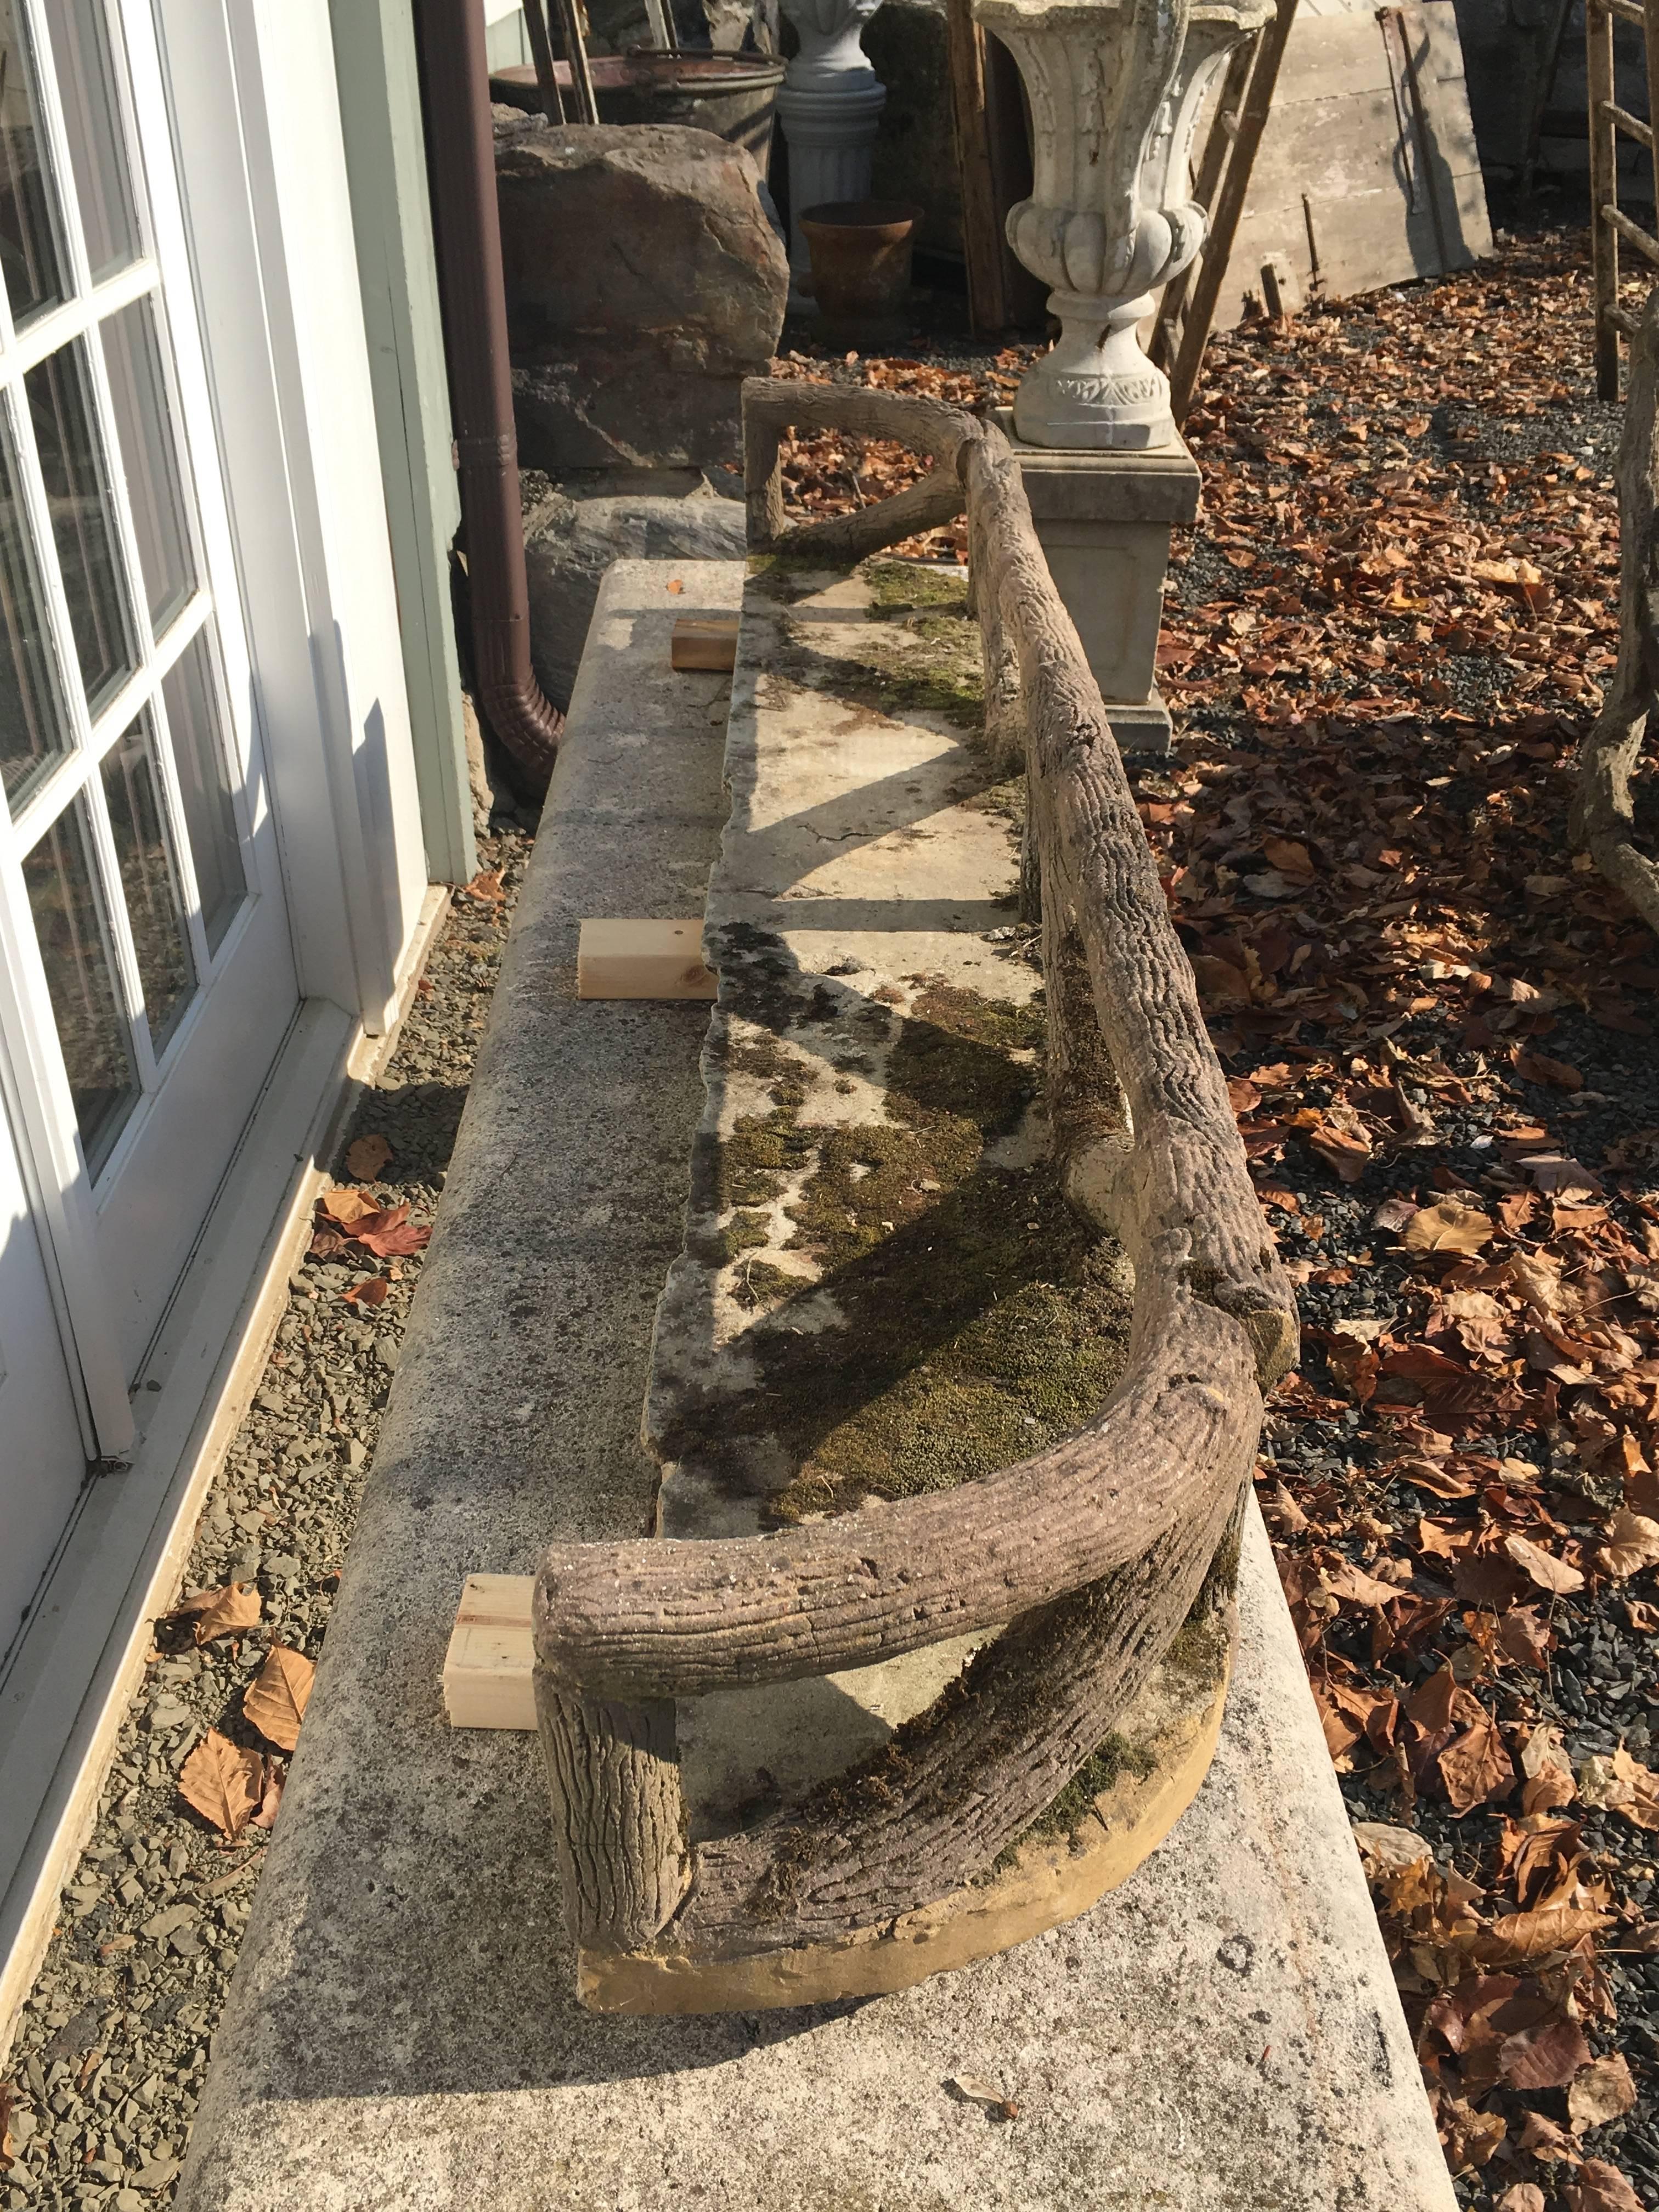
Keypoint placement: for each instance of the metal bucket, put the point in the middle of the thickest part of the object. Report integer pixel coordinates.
(731, 95)
(860, 252)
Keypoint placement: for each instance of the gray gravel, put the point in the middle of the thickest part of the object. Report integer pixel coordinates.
(112, 2045)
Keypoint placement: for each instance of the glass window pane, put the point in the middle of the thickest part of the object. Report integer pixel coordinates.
(29, 249)
(79, 30)
(148, 883)
(34, 726)
(77, 492)
(84, 1000)
(198, 761)
(149, 455)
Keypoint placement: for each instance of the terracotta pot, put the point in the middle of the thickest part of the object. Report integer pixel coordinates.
(860, 252)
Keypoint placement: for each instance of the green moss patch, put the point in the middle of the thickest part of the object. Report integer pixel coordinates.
(981, 1321)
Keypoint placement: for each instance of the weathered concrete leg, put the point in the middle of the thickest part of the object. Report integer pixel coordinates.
(618, 1816)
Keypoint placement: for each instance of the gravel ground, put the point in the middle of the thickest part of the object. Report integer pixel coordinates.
(112, 2045)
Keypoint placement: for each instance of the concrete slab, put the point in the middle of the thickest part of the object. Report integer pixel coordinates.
(1220, 2035)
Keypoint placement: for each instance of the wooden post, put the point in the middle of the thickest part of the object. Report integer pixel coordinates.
(1604, 194)
(989, 305)
(541, 53)
(1225, 214)
(1212, 164)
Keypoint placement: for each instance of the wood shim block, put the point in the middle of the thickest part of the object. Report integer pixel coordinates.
(708, 641)
(490, 1660)
(642, 960)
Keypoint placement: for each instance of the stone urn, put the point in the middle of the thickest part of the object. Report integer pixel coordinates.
(1116, 93)
(828, 105)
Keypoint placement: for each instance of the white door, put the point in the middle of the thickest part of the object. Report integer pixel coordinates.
(38, 1414)
(150, 972)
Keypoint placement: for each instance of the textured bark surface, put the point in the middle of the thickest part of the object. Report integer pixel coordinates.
(771, 406)
(624, 1864)
(1603, 814)
(967, 1778)
(1096, 1549)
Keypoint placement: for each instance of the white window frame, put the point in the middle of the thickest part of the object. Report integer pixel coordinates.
(36, 1081)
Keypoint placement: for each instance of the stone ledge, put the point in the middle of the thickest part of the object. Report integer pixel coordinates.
(1220, 2035)
(1151, 483)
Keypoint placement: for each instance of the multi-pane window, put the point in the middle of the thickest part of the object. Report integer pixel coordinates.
(119, 804)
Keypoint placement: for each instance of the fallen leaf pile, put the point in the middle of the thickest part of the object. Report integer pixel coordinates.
(1382, 645)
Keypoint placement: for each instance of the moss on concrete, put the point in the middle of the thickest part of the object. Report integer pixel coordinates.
(981, 1321)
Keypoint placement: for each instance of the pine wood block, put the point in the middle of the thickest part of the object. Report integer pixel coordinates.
(704, 642)
(642, 960)
(491, 1659)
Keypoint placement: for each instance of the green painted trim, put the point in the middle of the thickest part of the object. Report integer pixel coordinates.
(390, 212)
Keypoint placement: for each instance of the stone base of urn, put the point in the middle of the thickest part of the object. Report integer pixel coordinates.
(1103, 519)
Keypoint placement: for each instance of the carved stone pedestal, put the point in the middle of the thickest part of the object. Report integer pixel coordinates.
(1105, 518)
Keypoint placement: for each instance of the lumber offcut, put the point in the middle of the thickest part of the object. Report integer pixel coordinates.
(490, 1664)
(704, 642)
(642, 960)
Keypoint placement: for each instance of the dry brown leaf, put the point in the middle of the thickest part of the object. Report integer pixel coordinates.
(1602, 2092)
(1546, 2057)
(1633, 1545)
(8, 2099)
(275, 1702)
(366, 1155)
(976, 2091)
(1622, 1784)
(1521, 2196)
(347, 1207)
(276, 1775)
(1543, 1567)
(1599, 2187)
(390, 1234)
(1476, 1768)
(371, 1290)
(1470, 2138)
(1547, 2140)
(1534, 1067)
(1550, 1780)
(1448, 1227)
(223, 1782)
(1523, 1936)
(229, 1612)
(1381, 1846)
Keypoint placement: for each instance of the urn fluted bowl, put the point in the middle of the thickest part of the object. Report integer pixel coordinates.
(1115, 94)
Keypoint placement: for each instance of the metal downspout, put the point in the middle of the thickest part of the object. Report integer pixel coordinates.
(462, 153)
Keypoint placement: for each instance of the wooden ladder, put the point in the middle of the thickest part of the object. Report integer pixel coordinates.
(1186, 310)
(1609, 221)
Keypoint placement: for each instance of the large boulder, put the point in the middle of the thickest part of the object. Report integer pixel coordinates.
(644, 283)
(569, 542)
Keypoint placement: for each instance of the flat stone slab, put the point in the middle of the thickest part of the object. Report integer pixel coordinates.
(1221, 2034)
